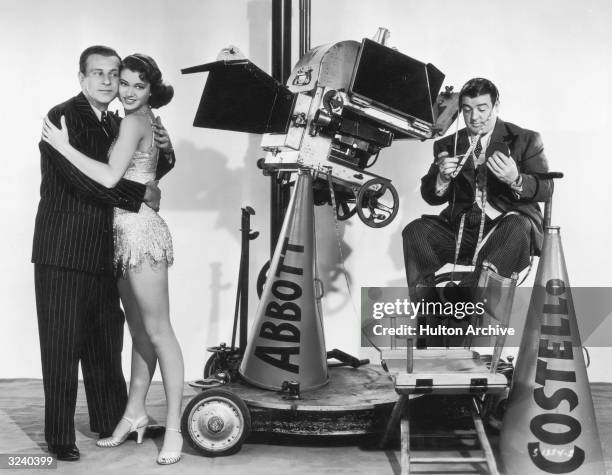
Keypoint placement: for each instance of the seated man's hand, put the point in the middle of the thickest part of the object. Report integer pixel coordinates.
(503, 167)
(446, 165)
(152, 195)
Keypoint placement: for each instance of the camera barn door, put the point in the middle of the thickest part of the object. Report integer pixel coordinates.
(241, 97)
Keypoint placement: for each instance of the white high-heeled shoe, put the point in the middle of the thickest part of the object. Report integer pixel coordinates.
(139, 426)
(169, 457)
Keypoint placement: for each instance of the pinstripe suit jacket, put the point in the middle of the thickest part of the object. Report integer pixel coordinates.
(75, 214)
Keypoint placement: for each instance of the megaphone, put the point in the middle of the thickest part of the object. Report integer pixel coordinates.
(549, 426)
(287, 342)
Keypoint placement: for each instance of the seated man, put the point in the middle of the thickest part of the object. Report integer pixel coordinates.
(492, 195)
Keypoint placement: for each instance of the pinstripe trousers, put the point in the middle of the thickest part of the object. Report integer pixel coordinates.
(79, 320)
(430, 241)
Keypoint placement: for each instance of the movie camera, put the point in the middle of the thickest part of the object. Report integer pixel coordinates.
(343, 103)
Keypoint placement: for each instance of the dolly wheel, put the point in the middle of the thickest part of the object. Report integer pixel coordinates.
(217, 422)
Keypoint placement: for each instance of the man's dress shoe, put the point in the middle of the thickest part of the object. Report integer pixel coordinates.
(65, 452)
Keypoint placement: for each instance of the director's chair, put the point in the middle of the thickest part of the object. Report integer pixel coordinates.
(459, 372)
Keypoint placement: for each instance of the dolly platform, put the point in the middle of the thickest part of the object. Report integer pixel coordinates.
(356, 401)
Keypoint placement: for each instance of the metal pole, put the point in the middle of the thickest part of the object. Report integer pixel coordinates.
(281, 40)
(304, 27)
(244, 277)
(281, 68)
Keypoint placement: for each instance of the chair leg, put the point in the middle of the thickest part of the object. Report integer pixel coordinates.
(405, 444)
(484, 440)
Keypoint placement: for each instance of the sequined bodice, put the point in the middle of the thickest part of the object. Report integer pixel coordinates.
(142, 168)
(143, 165)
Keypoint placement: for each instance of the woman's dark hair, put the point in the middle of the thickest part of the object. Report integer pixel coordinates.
(479, 87)
(147, 69)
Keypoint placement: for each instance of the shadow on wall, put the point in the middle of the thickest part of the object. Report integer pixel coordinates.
(203, 181)
(405, 163)
(217, 288)
(332, 252)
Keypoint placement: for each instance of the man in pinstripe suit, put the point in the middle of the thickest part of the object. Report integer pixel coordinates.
(492, 196)
(79, 317)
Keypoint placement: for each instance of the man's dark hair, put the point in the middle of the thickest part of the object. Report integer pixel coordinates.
(479, 87)
(96, 49)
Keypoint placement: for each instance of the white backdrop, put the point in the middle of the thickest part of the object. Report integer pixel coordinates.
(549, 58)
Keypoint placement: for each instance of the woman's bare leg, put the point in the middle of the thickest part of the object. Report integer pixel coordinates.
(149, 288)
(144, 359)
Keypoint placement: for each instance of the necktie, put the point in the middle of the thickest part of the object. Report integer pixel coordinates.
(106, 123)
(477, 149)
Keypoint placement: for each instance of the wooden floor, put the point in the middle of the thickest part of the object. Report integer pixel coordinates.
(21, 416)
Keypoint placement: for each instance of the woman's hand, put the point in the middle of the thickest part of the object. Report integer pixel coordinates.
(57, 138)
